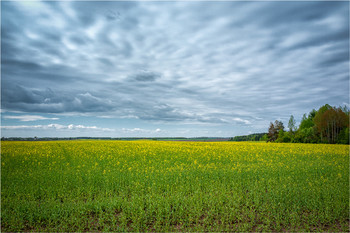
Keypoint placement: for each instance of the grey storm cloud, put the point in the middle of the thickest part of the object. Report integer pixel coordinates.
(47, 101)
(205, 62)
(145, 76)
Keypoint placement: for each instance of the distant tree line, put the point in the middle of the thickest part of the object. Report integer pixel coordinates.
(326, 125)
(250, 137)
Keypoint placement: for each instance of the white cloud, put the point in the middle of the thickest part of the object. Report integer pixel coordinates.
(56, 127)
(237, 119)
(139, 130)
(30, 118)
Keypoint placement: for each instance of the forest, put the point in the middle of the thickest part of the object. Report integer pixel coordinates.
(326, 125)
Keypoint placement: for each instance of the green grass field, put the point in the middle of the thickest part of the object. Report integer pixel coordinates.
(173, 186)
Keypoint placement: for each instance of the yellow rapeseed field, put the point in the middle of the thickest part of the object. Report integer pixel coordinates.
(173, 186)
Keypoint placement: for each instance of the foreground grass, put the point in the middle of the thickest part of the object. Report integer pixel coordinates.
(173, 186)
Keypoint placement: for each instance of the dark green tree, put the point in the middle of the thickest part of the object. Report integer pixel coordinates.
(306, 122)
(343, 137)
(291, 124)
(264, 138)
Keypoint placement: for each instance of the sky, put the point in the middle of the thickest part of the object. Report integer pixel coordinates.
(168, 69)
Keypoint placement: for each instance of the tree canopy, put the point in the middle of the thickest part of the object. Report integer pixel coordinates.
(326, 125)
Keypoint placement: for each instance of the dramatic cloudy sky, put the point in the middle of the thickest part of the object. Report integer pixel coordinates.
(168, 68)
